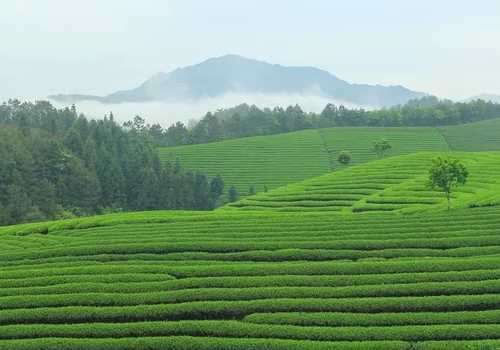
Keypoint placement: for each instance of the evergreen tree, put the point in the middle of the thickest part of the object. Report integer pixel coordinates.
(232, 195)
(216, 189)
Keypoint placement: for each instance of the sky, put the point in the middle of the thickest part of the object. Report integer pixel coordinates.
(447, 48)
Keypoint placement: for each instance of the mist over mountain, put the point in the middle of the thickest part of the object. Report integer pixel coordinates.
(232, 74)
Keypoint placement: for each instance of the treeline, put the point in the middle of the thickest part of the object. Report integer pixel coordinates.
(55, 164)
(245, 120)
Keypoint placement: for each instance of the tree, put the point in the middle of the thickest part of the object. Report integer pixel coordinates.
(446, 174)
(380, 147)
(344, 157)
(232, 195)
(252, 190)
(202, 200)
(216, 189)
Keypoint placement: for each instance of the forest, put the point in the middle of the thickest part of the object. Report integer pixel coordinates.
(245, 120)
(55, 163)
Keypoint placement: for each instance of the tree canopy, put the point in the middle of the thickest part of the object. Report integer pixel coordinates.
(245, 120)
(55, 163)
(446, 174)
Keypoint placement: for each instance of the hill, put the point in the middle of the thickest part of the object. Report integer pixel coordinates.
(277, 160)
(235, 74)
(480, 136)
(392, 184)
(253, 280)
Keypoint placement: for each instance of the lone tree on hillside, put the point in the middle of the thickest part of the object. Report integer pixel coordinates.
(380, 147)
(344, 157)
(232, 194)
(446, 174)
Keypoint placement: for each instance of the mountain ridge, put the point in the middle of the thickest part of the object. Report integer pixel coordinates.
(218, 76)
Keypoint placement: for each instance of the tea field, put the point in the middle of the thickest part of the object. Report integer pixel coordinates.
(276, 160)
(403, 278)
(393, 184)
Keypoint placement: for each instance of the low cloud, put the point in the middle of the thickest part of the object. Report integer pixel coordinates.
(167, 113)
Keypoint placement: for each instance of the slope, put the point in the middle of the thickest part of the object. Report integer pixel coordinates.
(277, 160)
(253, 280)
(480, 136)
(392, 184)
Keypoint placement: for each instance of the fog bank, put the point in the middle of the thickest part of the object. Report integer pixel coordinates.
(168, 113)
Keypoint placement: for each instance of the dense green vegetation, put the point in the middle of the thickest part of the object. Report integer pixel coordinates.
(56, 163)
(481, 136)
(391, 184)
(273, 161)
(260, 161)
(245, 120)
(277, 160)
(233, 279)
(359, 257)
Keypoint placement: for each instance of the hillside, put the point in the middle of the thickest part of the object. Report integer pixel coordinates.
(253, 280)
(480, 136)
(392, 184)
(235, 74)
(277, 160)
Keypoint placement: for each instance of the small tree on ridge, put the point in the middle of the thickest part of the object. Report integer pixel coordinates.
(446, 174)
(344, 157)
(380, 147)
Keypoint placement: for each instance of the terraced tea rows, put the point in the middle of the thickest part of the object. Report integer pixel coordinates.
(396, 183)
(359, 141)
(259, 161)
(253, 280)
(481, 136)
(277, 160)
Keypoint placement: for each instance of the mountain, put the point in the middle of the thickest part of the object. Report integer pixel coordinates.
(485, 97)
(235, 74)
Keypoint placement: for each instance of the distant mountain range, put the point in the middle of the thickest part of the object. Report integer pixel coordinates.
(486, 97)
(235, 74)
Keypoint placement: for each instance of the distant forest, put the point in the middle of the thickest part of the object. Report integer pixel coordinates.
(245, 120)
(56, 164)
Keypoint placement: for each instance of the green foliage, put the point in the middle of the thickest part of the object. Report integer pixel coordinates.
(344, 157)
(446, 174)
(252, 190)
(232, 194)
(481, 136)
(283, 159)
(391, 184)
(56, 164)
(381, 147)
(245, 120)
(253, 280)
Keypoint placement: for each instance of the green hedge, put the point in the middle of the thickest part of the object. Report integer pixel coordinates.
(240, 309)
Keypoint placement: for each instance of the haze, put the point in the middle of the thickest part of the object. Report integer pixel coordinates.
(447, 48)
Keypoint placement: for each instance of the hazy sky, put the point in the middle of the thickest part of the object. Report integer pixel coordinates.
(449, 48)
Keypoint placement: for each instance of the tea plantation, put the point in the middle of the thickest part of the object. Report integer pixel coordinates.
(373, 260)
(277, 160)
(392, 184)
